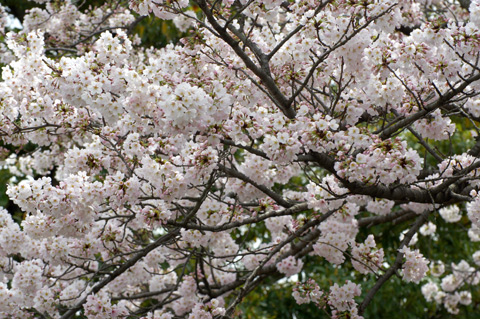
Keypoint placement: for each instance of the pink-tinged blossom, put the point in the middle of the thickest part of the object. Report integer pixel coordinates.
(188, 296)
(384, 162)
(380, 206)
(465, 297)
(279, 225)
(28, 280)
(331, 247)
(437, 127)
(158, 315)
(450, 301)
(8, 300)
(45, 300)
(320, 199)
(290, 266)
(161, 281)
(474, 233)
(457, 163)
(194, 238)
(190, 157)
(450, 214)
(415, 266)
(341, 298)
(308, 292)
(466, 273)
(473, 209)
(451, 283)
(12, 239)
(437, 268)
(208, 311)
(183, 22)
(429, 291)
(337, 234)
(99, 306)
(366, 257)
(428, 229)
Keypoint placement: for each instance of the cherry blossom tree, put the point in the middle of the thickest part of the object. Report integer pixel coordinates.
(274, 142)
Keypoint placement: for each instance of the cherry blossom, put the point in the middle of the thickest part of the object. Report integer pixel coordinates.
(415, 266)
(270, 137)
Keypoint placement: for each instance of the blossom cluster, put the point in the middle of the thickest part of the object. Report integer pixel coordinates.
(415, 266)
(341, 298)
(366, 257)
(160, 182)
(308, 292)
(385, 162)
(449, 291)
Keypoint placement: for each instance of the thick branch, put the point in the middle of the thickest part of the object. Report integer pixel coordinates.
(276, 197)
(442, 100)
(250, 220)
(262, 72)
(120, 270)
(395, 218)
